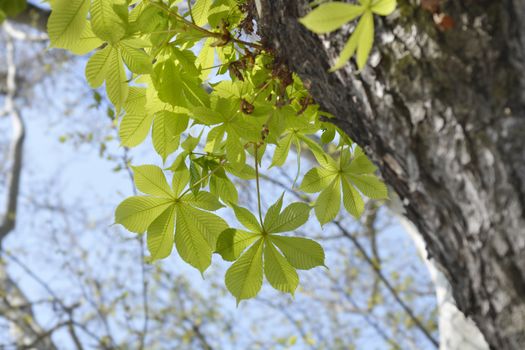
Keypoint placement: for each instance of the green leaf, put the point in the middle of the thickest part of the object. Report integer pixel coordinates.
(206, 58)
(383, 7)
(87, 41)
(134, 129)
(98, 66)
(330, 16)
(194, 92)
(161, 235)
(137, 60)
(196, 235)
(233, 242)
(244, 278)
(273, 212)
(235, 153)
(138, 212)
(246, 218)
(361, 40)
(352, 199)
(181, 178)
(116, 81)
(293, 216)
(278, 271)
(150, 179)
(366, 39)
(167, 128)
(361, 165)
(369, 185)
(349, 49)
(200, 11)
(167, 81)
(222, 187)
(282, 150)
(320, 155)
(67, 21)
(204, 200)
(301, 253)
(328, 203)
(317, 179)
(136, 101)
(107, 24)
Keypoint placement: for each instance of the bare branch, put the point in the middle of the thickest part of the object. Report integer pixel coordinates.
(8, 221)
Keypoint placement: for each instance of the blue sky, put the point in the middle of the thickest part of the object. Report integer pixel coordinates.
(74, 175)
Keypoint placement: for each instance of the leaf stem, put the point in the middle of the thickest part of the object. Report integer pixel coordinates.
(191, 12)
(258, 187)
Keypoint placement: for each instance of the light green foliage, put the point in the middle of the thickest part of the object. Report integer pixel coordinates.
(333, 176)
(244, 277)
(153, 58)
(330, 16)
(11, 8)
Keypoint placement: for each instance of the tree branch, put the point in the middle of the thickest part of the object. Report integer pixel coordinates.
(8, 220)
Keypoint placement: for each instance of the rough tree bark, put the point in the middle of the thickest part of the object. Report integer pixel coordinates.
(442, 115)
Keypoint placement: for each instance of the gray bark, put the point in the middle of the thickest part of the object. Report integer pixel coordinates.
(456, 332)
(442, 115)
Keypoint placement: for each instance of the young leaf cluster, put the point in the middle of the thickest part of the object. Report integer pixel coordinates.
(330, 16)
(215, 102)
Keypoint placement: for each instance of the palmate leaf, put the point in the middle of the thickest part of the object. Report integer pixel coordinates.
(355, 40)
(98, 66)
(134, 128)
(196, 235)
(136, 59)
(292, 217)
(330, 16)
(278, 271)
(352, 199)
(67, 21)
(138, 212)
(150, 179)
(247, 219)
(383, 7)
(244, 278)
(181, 178)
(203, 200)
(107, 24)
(87, 41)
(206, 58)
(167, 127)
(272, 214)
(200, 11)
(366, 39)
(136, 102)
(233, 242)
(282, 150)
(160, 234)
(369, 185)
(302, 253)
(328, 203)
(116, 80)
(317, 179)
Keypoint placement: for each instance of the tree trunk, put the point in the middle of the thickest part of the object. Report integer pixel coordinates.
(442, 115)
(456, 332)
